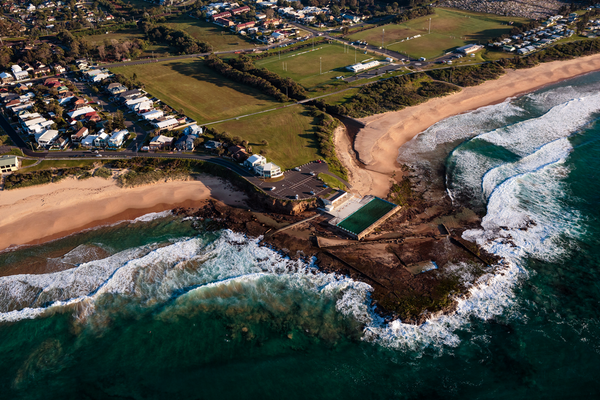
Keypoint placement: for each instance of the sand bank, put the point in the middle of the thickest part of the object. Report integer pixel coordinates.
(40, 213)
(378, 142)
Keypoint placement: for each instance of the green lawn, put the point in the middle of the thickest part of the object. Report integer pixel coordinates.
(449, 29)
(288, 132)
(200, 92)
(219, 38)
(25, 162)
(303, 65)
(47, 164)
(332, 182)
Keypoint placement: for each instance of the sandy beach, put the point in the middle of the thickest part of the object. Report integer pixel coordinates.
(378, 142)
(38, 214)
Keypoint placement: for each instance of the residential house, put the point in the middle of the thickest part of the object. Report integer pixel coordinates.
(227, 23)
(59, 69)
(255, 160)
(88, 141)
(47, 137)
(268, 170)
(152, 115)
(222, 15)
(240, 10)
(6, 77)
(80, 111)
(132, 102)
(18, 73)
(101, 140)
(160, 142)
(212, 145)
(61, 143)
(246, 25)
(186, 143)
(130, 94)
(193, 130)
(82, 133)
(9, 163)
(116, 88)
(163, 123)
(42, 71)
(117, 138)
(238, 153)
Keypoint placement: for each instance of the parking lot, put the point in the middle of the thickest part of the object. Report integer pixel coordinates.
(302, 183)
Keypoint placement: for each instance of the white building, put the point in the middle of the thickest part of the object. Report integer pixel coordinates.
(268, 170)
(101, 140)
(151, 115)
(47, 137)
(117, 138)
(133, 102)
(166, 123)
(19, 73)
(89, 140)
(80, 111)
(362, 67)
(255, 160)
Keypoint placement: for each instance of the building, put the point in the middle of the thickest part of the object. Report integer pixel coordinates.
(160, 142)
(240, 10)
(117, 138)
(101, 140)
(5, 77)
(18, 73)
(225, 14)
(362, 67)
(268, 170)
(116, 88)
(193, 130)
(164, 123)
(255, 160)
(238, 153)
(227, 23)
(186, 143)
(245, 25)
(9, 163)
(152, 115)
(80, 111)
(469, 49)
(47, 137)
(212, 145)
(334, 200)
(77, 137)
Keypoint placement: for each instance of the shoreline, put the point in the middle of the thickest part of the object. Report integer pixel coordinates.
(384, 134)
(71, 205)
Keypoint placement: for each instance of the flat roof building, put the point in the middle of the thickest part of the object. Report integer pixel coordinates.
(9, 163)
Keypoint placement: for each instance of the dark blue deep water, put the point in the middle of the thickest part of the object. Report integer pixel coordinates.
(154, 310)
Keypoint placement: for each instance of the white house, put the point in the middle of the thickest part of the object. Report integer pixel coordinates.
(255, 160)
(165, 123)
(117, 138)
(160, 142)
(89, 140)
(47, 137)
(100, 77)
(268, 170)
(101, 140)
(151, 115)
(80, 111)
(132, 102)
(19, 73)
(193, 130)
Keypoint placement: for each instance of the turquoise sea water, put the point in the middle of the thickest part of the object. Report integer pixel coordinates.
(153, 310)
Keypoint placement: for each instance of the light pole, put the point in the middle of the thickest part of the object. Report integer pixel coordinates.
(429, 25)
(382, 36)
(320, 66)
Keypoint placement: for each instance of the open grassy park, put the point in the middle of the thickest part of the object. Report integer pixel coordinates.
(288, 131)
(128, 34)
(312, 68)
(200, 92)
(449, 29)
(219, 38)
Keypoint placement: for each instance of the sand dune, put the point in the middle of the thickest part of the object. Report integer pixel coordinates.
(378, 142)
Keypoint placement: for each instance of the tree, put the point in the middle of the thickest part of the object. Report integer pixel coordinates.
(264, 142)
(79, 125)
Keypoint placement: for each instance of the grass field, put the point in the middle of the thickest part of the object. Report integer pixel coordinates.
(128, 34)
(200, 92)
(288, 132)
(332, 182)
(47, 164)
(217, 37)
(449, 29)
(303, 65)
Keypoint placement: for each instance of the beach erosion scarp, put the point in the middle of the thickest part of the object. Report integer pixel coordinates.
(378, 142)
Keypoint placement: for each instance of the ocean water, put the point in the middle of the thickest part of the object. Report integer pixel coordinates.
(153, 308)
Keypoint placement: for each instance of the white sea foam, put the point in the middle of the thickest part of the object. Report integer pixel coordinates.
(152, 216)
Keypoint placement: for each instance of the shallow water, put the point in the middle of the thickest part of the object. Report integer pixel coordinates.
(152, 308)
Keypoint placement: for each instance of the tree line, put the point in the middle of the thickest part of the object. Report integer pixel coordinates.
(178, 39)
(246, 78)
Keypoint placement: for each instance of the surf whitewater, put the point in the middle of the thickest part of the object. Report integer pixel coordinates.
(151, 308)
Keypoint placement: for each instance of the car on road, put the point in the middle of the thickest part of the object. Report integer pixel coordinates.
(271, 188)
(312, 173)
(312, 192)
(98, 155)
(296, 197)
(296, 169)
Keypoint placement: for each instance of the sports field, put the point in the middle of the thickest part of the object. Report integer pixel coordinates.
(449, 29)
(311, 67)
(219, 38)
(199, 91)
(288, 132)
(366, 216)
